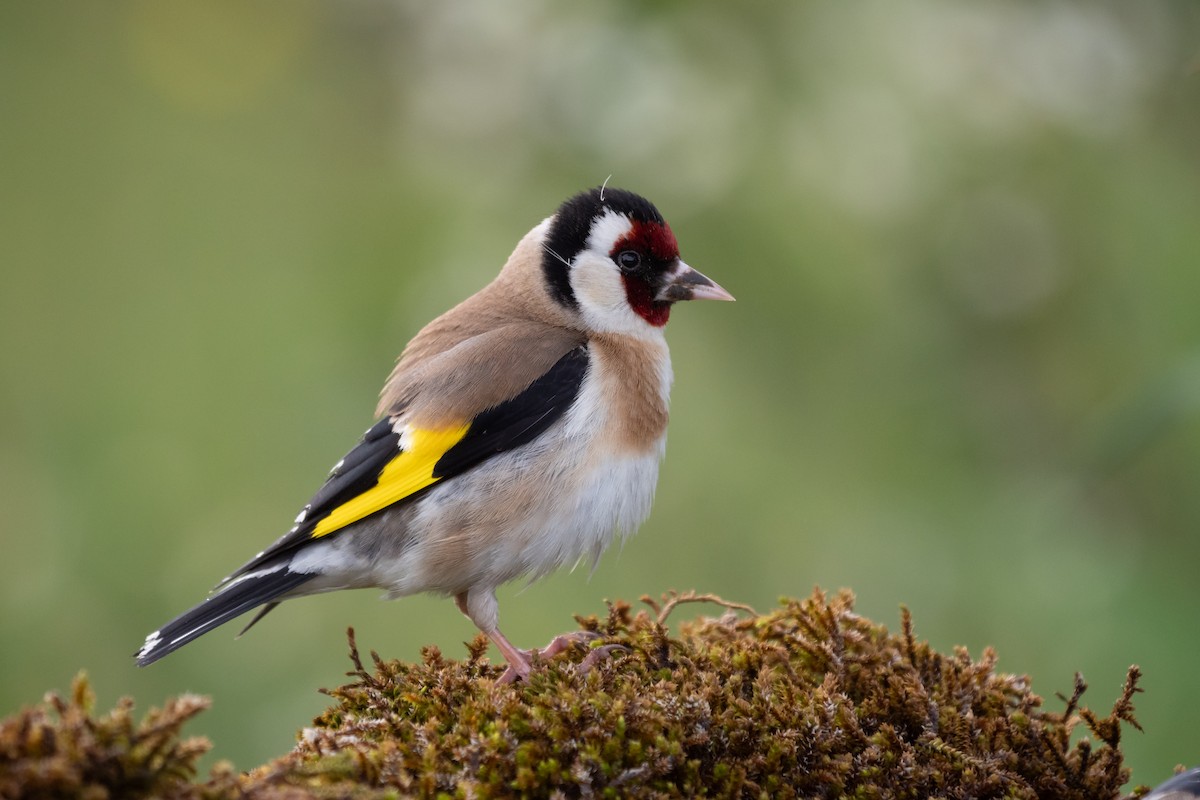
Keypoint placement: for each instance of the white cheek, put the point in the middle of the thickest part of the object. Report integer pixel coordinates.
(603, 303)
(597, 280)
(598, 285)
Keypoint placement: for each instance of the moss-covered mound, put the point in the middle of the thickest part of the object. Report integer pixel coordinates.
(810, 700)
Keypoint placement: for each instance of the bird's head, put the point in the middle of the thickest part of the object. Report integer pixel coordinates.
(611, 258)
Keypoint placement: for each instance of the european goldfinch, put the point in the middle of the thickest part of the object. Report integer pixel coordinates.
(520, 432)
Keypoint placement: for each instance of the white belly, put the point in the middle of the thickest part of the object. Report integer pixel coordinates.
(482, 529)
(616, 499)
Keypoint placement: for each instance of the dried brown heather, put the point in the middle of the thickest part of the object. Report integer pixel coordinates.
(810, 700)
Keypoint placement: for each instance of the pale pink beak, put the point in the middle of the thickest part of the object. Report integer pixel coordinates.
(685, 283)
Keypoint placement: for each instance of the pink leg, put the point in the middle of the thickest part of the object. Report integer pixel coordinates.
(520, 662)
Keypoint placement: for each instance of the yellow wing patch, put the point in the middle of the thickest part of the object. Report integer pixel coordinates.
(410, 471)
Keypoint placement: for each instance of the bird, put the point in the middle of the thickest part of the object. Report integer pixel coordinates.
(1182, 786)
(519, 432)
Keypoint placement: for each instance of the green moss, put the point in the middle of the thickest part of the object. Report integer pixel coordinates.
(808, 700)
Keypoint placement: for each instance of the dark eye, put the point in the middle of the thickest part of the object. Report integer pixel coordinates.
(629, 259)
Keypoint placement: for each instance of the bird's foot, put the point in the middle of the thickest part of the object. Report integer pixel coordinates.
(599, 654)
(514, 673)
(520, 669)
(595, 655)
(565, 641)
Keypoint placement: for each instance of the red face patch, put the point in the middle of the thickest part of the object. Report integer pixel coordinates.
(640, 295)
(649, 238)
(656, 244)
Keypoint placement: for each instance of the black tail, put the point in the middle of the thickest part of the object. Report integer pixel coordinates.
(245, 593)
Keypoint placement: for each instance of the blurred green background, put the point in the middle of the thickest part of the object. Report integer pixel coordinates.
(963, 372)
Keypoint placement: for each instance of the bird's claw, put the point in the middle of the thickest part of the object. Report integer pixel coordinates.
(565, 641)
(599, 654)
(557, 645)
(512, 675)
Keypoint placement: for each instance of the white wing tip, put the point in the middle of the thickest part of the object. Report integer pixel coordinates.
(151, 644)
